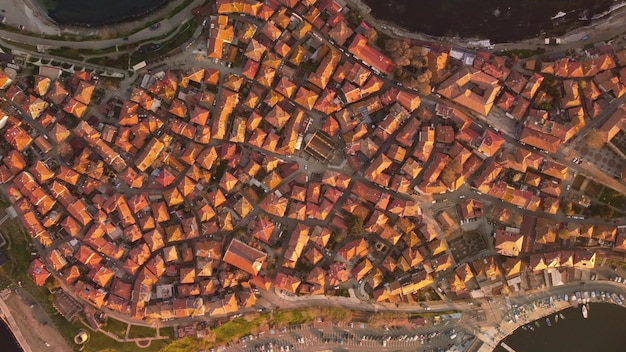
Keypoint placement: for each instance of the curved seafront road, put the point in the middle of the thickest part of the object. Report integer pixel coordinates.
(167, 25)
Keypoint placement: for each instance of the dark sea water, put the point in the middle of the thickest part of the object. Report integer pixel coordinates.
(603, 331)
(498, 20)
(99, 12)
(7, 341)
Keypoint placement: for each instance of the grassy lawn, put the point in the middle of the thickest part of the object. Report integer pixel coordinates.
(17, 251)
(64, 51)
(598, 210)
(137, 331)
(21, 45)
(120, 61)
(116, 327)
(307, 315)
(186, 344)
(236, 328)
(613, 198)
(521, 53)
(99, 342)
(294, 317)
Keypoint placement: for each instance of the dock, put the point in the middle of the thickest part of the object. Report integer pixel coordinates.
(507, 347)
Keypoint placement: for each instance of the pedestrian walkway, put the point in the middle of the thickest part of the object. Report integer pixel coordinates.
(8, 318)
(507, 347)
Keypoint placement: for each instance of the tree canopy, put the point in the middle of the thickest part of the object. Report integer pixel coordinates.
(412, 63)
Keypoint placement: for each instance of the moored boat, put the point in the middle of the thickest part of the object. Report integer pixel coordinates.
(556, 318)
(585, 311)
(548, 322)
(561, 316)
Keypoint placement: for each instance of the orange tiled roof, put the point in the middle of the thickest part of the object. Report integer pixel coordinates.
(17, 137)
(369, 55)
(244, 257)
(458, 88)
(5, 80)
(84, 92)
(75, 107)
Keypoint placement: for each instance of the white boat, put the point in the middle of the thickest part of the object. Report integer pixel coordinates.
(561, 316)
(556, 318)
(559, 15)
(585, 311)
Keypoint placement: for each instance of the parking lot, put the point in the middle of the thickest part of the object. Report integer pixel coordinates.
(350, 337)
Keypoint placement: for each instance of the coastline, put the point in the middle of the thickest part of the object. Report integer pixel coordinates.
(127, 18)
(34, 18)
(493, 337)
(30, 324)
(608, 22)
(6, 315)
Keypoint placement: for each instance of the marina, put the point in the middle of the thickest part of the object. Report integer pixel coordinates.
(573, 328)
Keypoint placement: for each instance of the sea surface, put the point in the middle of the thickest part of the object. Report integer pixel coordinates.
(7, 341)
(497, 20)
(93, 13)
(603, 331)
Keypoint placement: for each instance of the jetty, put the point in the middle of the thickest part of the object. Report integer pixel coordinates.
(507, 347)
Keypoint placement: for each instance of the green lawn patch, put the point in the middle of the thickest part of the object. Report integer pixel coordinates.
(185, 345)
(236, 328)
(137, 331)
(64, 51)
(521, 53)
(293, 317)
(17, 250)
(99, 342)
(599, 210)
(612, 198)
(27, 47)
(116, 327)
(120, 61)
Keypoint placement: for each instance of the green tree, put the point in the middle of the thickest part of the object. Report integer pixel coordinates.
(568, 208)
(355, 225)
(564, 234)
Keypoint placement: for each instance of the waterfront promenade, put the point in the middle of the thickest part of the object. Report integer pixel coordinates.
(10, 321)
